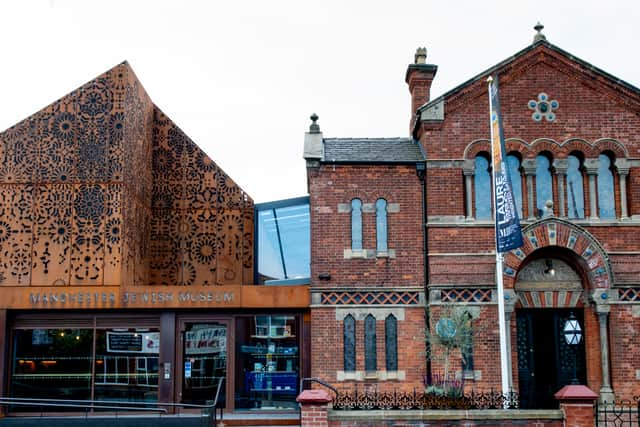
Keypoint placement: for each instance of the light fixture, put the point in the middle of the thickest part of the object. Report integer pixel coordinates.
(572, 330)
(573, 336)
(549, 271)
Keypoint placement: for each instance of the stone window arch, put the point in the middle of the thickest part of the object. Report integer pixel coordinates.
(356, 224)
(575, 186)
(391, 342)
(544, 182)
(606, 190)
(349, 343)
(482, 187)
(381, 226)
(370, 352)
(514, 166)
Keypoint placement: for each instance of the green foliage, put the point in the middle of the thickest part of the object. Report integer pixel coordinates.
(450, 335)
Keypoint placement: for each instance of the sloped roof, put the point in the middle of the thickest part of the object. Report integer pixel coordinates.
(372, 150)
(540, 43)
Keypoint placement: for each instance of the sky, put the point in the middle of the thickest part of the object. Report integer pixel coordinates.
(241, 78)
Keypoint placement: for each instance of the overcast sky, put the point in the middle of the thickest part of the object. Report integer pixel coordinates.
(241, 78)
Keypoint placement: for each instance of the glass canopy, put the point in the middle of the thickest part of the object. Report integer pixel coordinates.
(283, 241)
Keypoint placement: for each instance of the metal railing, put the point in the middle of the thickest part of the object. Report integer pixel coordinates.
(620, 413)
(318, 381)
(208, 411)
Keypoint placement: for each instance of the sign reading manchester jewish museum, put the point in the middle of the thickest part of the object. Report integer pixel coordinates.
(113, 297)
(116, 297)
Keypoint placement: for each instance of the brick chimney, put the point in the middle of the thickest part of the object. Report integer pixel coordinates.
(419, 78)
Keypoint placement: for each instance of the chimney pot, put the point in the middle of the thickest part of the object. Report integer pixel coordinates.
(421, 55)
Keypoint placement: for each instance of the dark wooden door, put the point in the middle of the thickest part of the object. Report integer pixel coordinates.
(545, 361)
(526, 362)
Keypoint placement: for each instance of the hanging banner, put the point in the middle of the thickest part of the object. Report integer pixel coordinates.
(508, 232)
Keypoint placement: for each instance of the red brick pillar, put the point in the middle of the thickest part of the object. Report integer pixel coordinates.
(577, 405)
(314, 405)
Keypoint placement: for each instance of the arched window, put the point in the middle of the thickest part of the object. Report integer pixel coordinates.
(606, 199)
(356, 224)
(391, 342)
(482, 187)
(575, 193)
(370, 354)
(381, 225)
(544, 187)
(513, 166)
(349, 343)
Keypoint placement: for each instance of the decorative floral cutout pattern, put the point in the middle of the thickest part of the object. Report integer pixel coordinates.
(101, 188)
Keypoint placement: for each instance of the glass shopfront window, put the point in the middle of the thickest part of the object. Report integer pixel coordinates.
(126, 364)
(84, 363)
(51, 363)
(268, 362)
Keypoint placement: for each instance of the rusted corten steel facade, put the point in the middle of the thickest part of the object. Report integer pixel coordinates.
(114, 224)
(101, 188)
(573, 134)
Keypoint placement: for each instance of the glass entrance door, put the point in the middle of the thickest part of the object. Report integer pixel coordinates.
(204, 362)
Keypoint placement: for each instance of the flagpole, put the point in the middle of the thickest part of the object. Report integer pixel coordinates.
(502, 324)
(502, 329)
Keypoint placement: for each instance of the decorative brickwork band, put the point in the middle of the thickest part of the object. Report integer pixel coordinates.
(550, 299)
(629, 294)
(370, 298)
(465, 295)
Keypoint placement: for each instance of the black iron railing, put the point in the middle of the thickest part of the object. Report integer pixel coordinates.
(619, 413)
(373, 399)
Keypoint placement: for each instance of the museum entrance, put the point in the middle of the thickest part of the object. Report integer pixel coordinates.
(204, 361)
(545, 360)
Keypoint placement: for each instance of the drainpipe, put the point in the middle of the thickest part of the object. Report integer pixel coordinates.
(421, 171)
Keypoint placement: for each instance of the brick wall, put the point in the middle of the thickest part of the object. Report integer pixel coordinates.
(625, 363)
(327, 355)
(332, 185)
(594, 115)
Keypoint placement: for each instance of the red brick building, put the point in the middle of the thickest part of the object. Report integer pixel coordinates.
(573, 141)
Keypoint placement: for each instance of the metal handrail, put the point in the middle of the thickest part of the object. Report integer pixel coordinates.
(87, 405)
(52, 403)
(318, 381)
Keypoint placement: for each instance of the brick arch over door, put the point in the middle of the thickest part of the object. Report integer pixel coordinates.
(556, 232)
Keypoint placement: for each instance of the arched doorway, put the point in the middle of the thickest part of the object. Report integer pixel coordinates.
(559, 239)
(549, 290)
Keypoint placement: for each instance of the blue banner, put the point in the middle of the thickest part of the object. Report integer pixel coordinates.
(508, 232)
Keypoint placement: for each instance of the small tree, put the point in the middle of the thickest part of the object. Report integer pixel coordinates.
(451, 336)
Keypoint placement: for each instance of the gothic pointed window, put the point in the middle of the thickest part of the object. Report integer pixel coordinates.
(370, 353)
(482, 187)
(513, 165)
(349, 343)
(391, 342)
(381, 225)
(606, 199)
(544, 186)
(356, 224)
(575, 192)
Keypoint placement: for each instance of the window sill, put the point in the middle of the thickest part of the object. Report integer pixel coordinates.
(390, 253)
(371, 375)
(368, 254)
